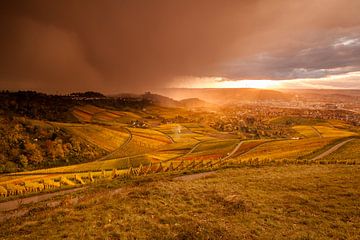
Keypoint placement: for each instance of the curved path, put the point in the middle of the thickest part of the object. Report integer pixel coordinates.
(185, 154)
(166, 135)
(194, 148)
(331, 150)
(194, 176)
(233, 151)
(120, 148)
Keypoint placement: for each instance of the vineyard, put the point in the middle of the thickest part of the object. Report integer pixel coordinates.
(44, 181)
(30, 183)
(306, 131)
(93, 114)
(333, 132)
(102, 137)
(165, 147)
(286, 149)
(86, 113)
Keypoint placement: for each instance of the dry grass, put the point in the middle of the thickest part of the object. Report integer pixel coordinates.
(287, 202)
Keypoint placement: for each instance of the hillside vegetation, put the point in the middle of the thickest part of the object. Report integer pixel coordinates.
(28, 144)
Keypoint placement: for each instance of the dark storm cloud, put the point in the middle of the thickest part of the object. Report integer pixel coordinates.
(338, 55)
(128, 45)
(46, 58)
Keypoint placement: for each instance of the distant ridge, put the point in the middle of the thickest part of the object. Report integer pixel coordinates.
(226, 95)
(194, 103)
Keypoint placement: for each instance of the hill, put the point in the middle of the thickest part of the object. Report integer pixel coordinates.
(226, 95)
(195, 103)
(160, 100)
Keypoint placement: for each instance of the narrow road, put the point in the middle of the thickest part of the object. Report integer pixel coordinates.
(14, 204)
(195, 176)
(185, 154)
(331, 150)
(109, 156)
(167, 135)
(233, 151)
(194, 148)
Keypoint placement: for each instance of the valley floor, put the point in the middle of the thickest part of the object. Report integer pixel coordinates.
(277, 202)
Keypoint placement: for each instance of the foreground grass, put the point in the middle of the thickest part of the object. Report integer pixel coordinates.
(285, 202)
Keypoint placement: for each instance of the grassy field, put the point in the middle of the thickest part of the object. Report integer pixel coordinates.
(307, 202)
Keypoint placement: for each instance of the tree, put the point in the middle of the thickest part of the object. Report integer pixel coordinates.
(55, 149)
(2, 158)
(23, 160)
(10, 167)
(33, 153)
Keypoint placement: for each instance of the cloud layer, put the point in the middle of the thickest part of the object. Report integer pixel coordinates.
(116, 46)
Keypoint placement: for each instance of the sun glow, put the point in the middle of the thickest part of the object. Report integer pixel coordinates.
(219, 82)
(247, 84)
(339, 81)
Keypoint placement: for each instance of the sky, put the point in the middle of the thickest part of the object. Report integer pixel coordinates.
(115, 46)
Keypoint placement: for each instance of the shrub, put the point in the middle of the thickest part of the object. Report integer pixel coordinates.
(91, 178)
(34, 186)
(15, 189)
(79, 179)
(3, 191)
(49, 183)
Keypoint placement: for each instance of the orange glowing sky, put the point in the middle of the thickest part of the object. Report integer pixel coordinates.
(340, 81)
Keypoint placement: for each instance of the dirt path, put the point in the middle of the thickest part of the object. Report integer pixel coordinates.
(233, 151)
(119, 149)
(185, 154)
(199, 143)
(15, 204)
(194, 148)
(194, 176)
(166, 135)
(331, 150)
